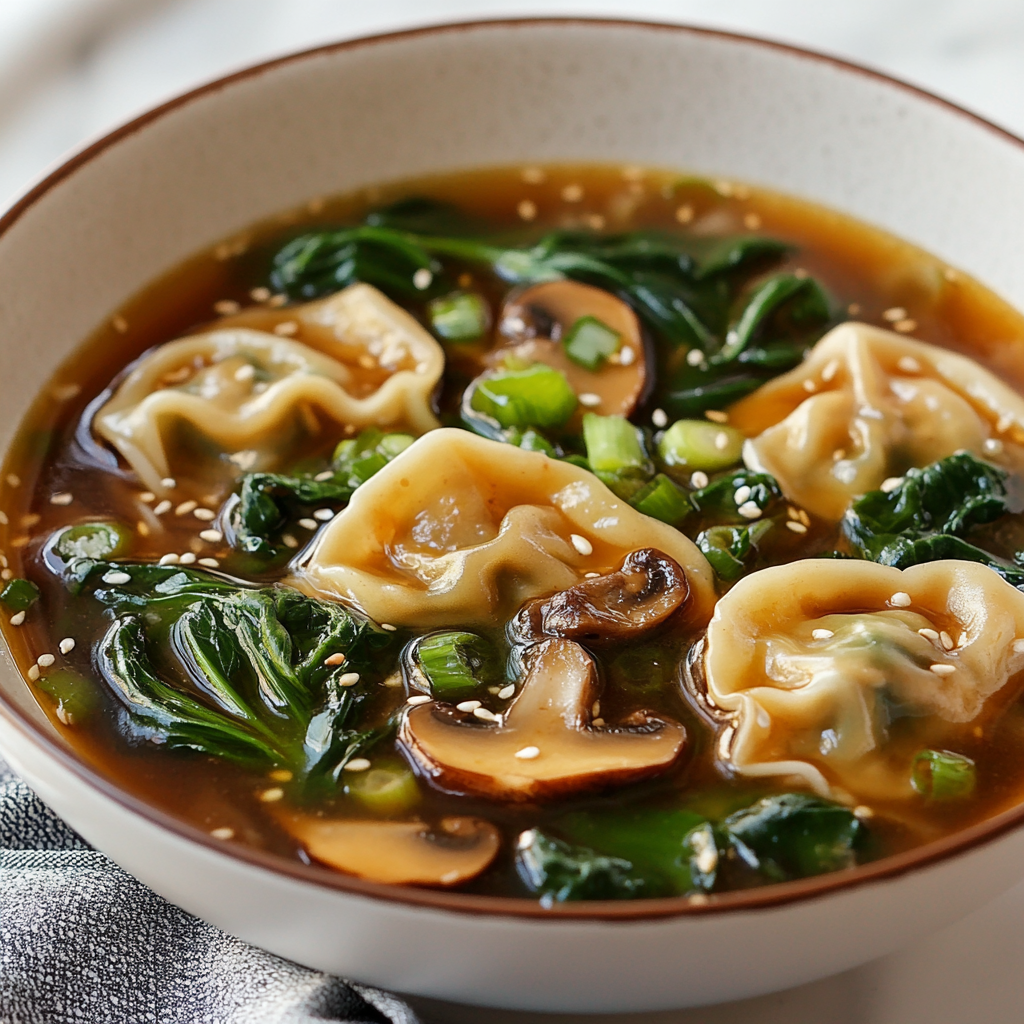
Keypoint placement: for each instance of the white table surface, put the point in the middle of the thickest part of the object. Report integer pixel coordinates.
(72, 69)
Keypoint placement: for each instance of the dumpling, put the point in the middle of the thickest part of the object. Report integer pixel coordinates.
(867, 404)
(235, 398)
(836, 673)
(460, 530)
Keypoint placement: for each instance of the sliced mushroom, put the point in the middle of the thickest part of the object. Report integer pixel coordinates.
(401, 852)
(537, 319)
(544, 746)
(640, 594)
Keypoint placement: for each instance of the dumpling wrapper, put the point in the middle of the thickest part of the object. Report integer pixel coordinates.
(822, 709)
(867, 404)
(460, 530)
(246, 399)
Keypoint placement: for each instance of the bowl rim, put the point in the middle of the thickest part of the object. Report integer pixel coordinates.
(767, 897)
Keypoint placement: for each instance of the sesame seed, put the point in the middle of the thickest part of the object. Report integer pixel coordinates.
(863, 811)
(276, 301)
(222, 833)
(348, 678)
(115, 577)
(589, 399)
(171, 558)
(698, 479)
(64, 498)
(468, 705)
(211, 536)
(1018, 646)
(527, 209)
(484, 715)
(33, 672)
(533, 175)
(750, 510)
(120, 324)
(831, 369)
(907, 326)
(146, 497)
(67, 645)
(188, 558)
(591, 575)
(30, 520)
(908, 364)
(506, 691)
(1004, 423)
(796, 527)
(422, 279)
(335, 659)
(742, 494)
(929, 634)
(169, 482)
(357, 764)
(595, 708)
(943, 670)
(286, 329)
(527, 753)
(890, 484)
(804, 517)
(659, 418)
(894, 314)
(45, 660)
(853, 309)
(269, 796)
(822, 634)
(205, 514)
(63, 717)
(308, 524)
(721, 441)
(20, 542)
(992, 445)
(900, 599)
(946, 640)
(6, 574)
(289, 541)
(226, 307)
(388, 627)
(13, 480)
(185, 507)
(3, 518)
(65, 392)
(17, 618)
(245, 372)
(595, 221)
(209, 563)
(627, 356)
(716, 415)
(684, 213)
(572, 193)
(420, 698)
(163, 507)
(810, 387)
(597, 721)
(260, 294)
(323, 514)
(581, 544)
(325, 475)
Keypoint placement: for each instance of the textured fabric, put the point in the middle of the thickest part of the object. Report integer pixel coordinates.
(81, 941)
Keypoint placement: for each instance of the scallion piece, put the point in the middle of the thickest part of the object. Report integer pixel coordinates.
(20, 594)
(662, 499)
(92, 540)
(537, 396)
(943, 775)
(385, 791)
(613, 444)
(459, 318)
(698, 444)
(454, 665)
(590, 342)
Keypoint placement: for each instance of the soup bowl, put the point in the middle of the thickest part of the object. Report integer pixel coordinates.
(201, 167)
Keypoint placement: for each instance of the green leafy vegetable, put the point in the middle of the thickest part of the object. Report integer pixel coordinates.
(698, 444)
(461, 317)
(19, 595)
(74, 694)
(719, 499)
(538, 396)
(943, 775)
(728, 547)
(590, 342)
(452, 666)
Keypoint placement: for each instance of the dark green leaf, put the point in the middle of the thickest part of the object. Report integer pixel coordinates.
(718, 499)
(19, 595)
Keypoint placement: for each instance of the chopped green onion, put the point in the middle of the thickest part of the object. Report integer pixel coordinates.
(75, 695)
(531, 441)
(698, 444)
(589, 342)
(943, 775)
(20, 594)
(394, 444)
(461, 317)
(92, 540)
(726, 547)
(455, 665)
(537, 396)
(662, 499)
(385, 791)
(613, 444)
(361, 457)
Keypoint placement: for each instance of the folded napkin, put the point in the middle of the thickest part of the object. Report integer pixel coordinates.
(83, 942)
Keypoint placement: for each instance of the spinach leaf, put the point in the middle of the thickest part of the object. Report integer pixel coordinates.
(718, 499)
(728, 547)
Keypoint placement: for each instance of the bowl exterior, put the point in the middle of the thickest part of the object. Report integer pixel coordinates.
(201, 168)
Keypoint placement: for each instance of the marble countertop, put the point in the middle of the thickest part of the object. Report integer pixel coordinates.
(72, 69)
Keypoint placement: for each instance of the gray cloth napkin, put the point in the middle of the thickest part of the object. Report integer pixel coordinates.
(81, 941)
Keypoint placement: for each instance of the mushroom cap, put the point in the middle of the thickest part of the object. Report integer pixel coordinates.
(400, 852)
(551, 713)
(548, 311)
(639, 595)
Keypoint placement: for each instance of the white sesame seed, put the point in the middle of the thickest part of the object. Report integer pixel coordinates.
(1004, 423)
(1018, 646)
(223, 833)
(17, 618)
(900, 599)
(589, 399)
(115, 577)
(3, 519)
(698, 480)
(595, 709)
(527, 209)
(627, 356)
(810, 386)
(468, 705)
(659, 418)
(750, 510)
(831, 369)
(721, 441)
(422, 279)
(908, 364)
(146, 497)
(822, 634)
(169, 482)
(289, 541)
(591, 575)
(894, 314)
(484, 715)
(325, 475)
(277, 301)
(185, 507)
(211, 536)
(929, 634)
(597, 721)
(335, 659)
(67, 645)
(308, 524)
(188, 558)
(323, 515)
(419, 698)
(506, 691)
(863, 811)
(171, 558)
(209, 563)
(890, 484)
(992, 446)
(388, 627)
(65, 392)
(581, 544)
(30, 520)
(357, 764)
(33, 672)
(534, 175)
(269, 796)
(572, 193)
(13, 480)
(742, 494)
(205, 514)
(260, 294)
(946, 640)
(943, 670)
(64, 498)
(796, 527)
(286, 329)
(716, 416)
(6, 574)
(62, 716)
(349, 679)
(45, 660)
(226, 307)
(163, 507)
(906, 326)
(528, 753)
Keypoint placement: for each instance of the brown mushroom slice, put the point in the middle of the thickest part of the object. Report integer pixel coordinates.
(536, 319)
(640, 594)
(544, 745)
(401, 852)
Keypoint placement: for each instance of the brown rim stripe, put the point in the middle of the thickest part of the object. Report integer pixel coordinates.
(770, 896)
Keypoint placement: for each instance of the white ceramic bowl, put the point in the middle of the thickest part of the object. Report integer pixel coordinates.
(139, 201)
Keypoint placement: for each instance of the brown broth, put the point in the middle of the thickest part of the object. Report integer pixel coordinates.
(867, 270)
